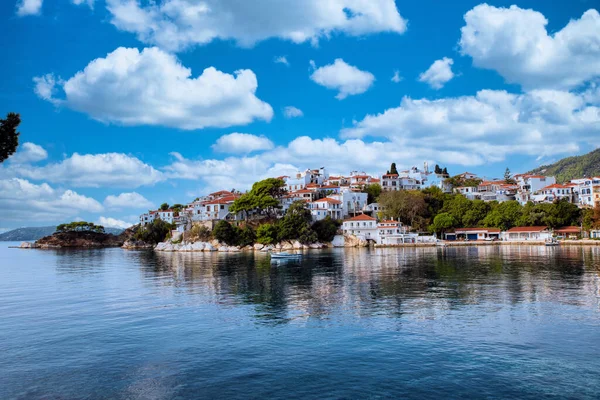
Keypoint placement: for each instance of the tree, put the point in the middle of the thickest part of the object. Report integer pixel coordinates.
(246, 236)
(226, 233)
(9, 137)
(295, 225)
(504, 215)
(326, 229)
(154, 232)
(445, 172)
(393, 169)
(164, 206)
(596, 217)
(475, 215)
(442, 222)
(267, 234)
(508, 177)
(264, 196)
(437, 169)
(373, 191)
(407, 206)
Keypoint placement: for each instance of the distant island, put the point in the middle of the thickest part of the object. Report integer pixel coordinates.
(38, 232)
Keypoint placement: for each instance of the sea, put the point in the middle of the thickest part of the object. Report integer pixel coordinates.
(506, 322)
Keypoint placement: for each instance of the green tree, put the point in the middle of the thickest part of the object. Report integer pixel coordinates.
(475, 215)
(9, 137)
(393, 169)
(442, 222)
(407, 206)
(264, 196)
(267, 234)
(226, 233)
(437, 169)
(326, 229)
(373, 191)
(504, 215)
(246, 236)
(80, 226)
(164, 206)
(508, 177)
(154, 232)
(295, 225)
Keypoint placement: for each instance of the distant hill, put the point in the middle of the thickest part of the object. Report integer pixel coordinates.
(587, 165)
(38, 232)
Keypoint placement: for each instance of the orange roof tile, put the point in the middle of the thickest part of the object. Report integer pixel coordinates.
(361, 217)
(527, 229)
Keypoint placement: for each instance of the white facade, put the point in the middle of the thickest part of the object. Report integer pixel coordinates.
(361, 226)
(325, 207)
(302, 179)
(586, 191)
(537, 233)
(352, 202)
(529, 184)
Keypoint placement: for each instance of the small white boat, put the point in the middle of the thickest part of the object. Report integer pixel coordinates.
(552, 242)
(284, 255)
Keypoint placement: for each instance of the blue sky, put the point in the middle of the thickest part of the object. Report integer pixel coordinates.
(128, 104)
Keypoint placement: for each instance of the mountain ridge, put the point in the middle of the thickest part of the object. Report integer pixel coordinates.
(38, 232)
(586, 165)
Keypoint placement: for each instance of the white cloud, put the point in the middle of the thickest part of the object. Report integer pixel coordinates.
(241, 143)
(292, 112)
(29, 7)
(153, 88)
(28, 153)
(488, 126)
(22, 200)
(438, 74)
(347, 79)
(109, 222)
(179, 24)
(516, 44)
(281, 60)
(90, 3)
(127, 200)
(397, 78)
(95, 170)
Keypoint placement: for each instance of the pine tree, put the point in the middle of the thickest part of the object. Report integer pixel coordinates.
(393, 169)
(9, 137)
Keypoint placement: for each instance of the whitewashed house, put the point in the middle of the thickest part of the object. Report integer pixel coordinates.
(302, 179)
(352, 202)
(555, 192)
(523, 233)
(361, 226)
(148, 218)
(325, 207)
(392, 232)
(586, 191)
(529, 184)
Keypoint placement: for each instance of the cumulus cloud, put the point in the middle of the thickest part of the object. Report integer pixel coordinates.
(152, 87)
(438, 74)
(292, 112)
(490, 125)
(345, 78)
(396, 78)
(109, 222)
(95, 170)
(29, 153)
(281, 60)
(515, 43)
(22, 200)
(127, 200)
(178, 24)
(235, 143)
(90, 3)
(29, 7)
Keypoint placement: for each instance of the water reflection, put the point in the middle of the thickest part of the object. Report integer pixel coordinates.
(427, 282)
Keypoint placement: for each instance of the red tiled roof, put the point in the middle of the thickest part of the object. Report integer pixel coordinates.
(489, 230)
(389, 176)
(221, 193)
(329, 187)
(527, 229)
(558, 186)
(568, 229)
(302, 191)
(328, 200)
(361, 217)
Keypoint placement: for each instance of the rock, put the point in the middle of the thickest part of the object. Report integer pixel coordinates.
(198, 246)
(136, 244)
(186, 247)
(338, 241)
(278, 246)
(259, 247)
(315, 246)
(287, 246)
(168, 247)
(215, 243)
(305, 246)
(268, 248)
(160, 246)
(222, 248)
(233, 249)
(28, 245)
(296, 245)
(209, 247)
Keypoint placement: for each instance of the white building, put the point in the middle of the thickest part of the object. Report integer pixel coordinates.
(529, 184)
(587, 191)
(393, 232)
(215, 209)
(352, 202)
(522, 233)
(148, 218)
(325, 207)
(555, 192)
(361, 226)
(302, 179)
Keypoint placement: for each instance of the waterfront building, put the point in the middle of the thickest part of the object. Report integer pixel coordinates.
(529, 184)
(521, 233)
(361, 226)
(327, 206)
(473, 234)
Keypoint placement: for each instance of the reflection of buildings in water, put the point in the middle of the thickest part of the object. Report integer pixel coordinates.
(423, 282)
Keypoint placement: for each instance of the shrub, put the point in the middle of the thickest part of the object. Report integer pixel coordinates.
(155, 232)
(80, 226)
(246, 236)
(267, 234)
(326, 229)
(226, 233)
(200, 232)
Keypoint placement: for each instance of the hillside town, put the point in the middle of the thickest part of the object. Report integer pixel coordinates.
(346, 199)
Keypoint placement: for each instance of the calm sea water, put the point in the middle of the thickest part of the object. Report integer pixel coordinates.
(499, 323)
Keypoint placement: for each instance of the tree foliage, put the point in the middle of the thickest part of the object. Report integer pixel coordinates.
(326, 229)
(9, 136)
(393, 170)
(226, 233)
(267, 234)
(442, 222)
(80, 226)
(154, 232)
(164, 207)
(407, 206)
(264, 196)
(373, 191)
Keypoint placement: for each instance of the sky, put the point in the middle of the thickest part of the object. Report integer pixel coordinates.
(126, 104)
